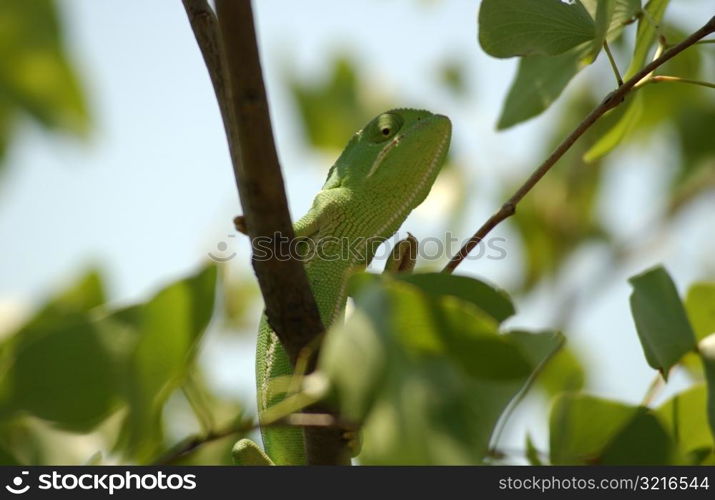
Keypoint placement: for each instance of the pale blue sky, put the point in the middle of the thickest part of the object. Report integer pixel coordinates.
(152, 192)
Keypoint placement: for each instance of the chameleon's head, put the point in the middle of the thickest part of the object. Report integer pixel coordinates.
(400, 150)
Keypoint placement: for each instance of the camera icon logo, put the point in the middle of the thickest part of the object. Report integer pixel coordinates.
(16, 487)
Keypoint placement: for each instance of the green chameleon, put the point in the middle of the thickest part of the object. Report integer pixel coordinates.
(385, 171)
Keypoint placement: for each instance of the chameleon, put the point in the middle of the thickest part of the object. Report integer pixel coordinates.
(385, 171)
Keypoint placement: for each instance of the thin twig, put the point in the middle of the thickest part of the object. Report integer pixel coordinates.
(614, 66)
(653, 389)
(611, 101)
(677, 79)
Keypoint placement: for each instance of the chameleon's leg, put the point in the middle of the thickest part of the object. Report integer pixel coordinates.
(246, 452)
(403, 257)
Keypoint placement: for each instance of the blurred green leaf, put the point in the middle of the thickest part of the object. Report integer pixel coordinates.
(452, 76)
(169, 327)
(589, 430)
(59, 371)
(646, 34)
(532, 454)
(538, 83)
(563, 373)
(333, 110)
(562, 211)
(706, 349)
(580, 426)
(493, 301)
(602, 22)
(643, 441)
(628, 121)
(56, 366)
(700, 307)
(35, 71)
(509, 28)
(662, 324)
(684, 416)
(427, 373)
(7, 458)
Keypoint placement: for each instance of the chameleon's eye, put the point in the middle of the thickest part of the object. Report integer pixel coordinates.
(385, 127)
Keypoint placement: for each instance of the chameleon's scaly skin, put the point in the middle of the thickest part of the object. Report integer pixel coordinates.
(386, 170)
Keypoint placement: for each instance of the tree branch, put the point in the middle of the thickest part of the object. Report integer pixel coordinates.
(611, 101)
(228, 44)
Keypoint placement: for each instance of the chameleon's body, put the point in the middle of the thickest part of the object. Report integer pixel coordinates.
(386, 170)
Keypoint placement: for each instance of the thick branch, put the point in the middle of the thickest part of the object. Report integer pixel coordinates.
(611, 101)
(228, 44)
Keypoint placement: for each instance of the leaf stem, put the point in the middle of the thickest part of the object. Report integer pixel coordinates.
(614, 66)
(609, 102)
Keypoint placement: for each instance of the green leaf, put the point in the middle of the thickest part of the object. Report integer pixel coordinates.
(618, 14)
(165, 333)
(427, 373)
(581, 426)
(700, 306)
(538, 83)
(332, 110)
(628, 121)
(646, 35)
(589, 430)
(685, 418)
(509, 28)
(35, 71)
(61, 372)
(532, 454)
(662, 324)
(643, 441)
(564, 372)
(490, 299)
(602, 18)
(56, 366)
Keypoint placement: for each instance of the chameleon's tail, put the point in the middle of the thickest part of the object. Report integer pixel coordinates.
(284, 445)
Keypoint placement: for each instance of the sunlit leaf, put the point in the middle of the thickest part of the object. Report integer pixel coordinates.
(509, 28)
(700, 306)
(648, 26)
(684, 416)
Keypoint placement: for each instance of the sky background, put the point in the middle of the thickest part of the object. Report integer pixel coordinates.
(151, 192)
